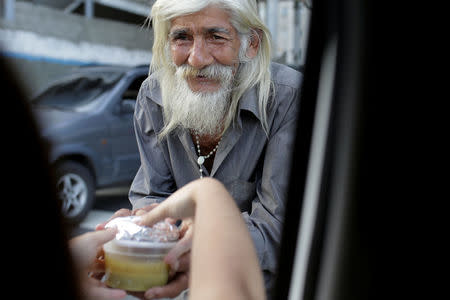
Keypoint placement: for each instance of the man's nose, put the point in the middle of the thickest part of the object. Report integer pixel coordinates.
(199, 56)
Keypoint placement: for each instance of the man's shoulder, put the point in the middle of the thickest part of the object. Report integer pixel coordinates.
(287, 82)
(285, 75)
(150, 89)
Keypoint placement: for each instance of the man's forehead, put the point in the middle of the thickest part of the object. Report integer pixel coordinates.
(208, 18)
(206, 30)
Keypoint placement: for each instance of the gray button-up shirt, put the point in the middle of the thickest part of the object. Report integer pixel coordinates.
(252, 165)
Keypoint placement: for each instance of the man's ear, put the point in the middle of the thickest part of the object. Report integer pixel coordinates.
(255, 41)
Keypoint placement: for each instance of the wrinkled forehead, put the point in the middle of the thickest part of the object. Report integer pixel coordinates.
(205, 19)
(185, 7)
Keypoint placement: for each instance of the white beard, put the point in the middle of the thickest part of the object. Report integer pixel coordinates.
(202, 112)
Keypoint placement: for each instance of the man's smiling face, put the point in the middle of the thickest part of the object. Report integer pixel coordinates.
(203, 39)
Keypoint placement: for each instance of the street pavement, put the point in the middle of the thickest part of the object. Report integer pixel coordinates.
(107, 202)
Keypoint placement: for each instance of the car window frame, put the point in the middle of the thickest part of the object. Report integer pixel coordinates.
(334, 93)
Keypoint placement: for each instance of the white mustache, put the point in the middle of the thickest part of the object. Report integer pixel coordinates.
(216, 71)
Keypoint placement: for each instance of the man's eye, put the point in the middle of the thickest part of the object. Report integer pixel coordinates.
(180, 37)
(218, 37)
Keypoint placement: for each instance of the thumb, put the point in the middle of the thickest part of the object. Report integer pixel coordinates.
(181, 247)
(100, 237)
(85, 247)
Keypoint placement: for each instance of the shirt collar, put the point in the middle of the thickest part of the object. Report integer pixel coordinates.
(154, 90)
(249, 102)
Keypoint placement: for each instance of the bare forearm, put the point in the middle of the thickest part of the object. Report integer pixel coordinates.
(221, 239)
(224, 264)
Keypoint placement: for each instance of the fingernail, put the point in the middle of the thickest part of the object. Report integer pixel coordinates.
(112, 229)
(149, 294)
(172, 272)
(137, 220)
(174, 268)
(140, 212)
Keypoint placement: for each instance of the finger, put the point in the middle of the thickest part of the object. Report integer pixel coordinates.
(97, 275)
(157, 214)
(123, 212)
(174, 207)
(182, 265)
(181, 247)
(178, 205)
(107, 293)
(172, 221)
(140, 212)
(95, 237)
(171, 290)
(144, 209)
(102, 236)
(186, 224)
(95, 289)
(98, 266)
(184, 262)
(100, 253)
(139, 295)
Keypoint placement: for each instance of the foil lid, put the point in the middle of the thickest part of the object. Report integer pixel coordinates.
(128, 230)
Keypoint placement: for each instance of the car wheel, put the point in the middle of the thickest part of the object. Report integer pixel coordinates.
(75, 189)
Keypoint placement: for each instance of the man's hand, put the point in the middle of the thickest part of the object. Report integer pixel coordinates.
(179, 260)
(123, 212)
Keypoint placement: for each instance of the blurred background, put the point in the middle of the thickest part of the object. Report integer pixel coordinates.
(81, 63)
(44, 38)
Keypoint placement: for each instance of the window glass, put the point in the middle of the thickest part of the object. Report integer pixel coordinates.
(77, 91)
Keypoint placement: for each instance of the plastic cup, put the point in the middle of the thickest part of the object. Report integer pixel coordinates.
(136, 265)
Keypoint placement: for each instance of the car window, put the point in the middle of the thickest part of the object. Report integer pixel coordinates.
(78, 90)
(133, 90)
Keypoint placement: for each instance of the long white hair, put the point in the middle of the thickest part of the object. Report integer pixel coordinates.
(245, 19)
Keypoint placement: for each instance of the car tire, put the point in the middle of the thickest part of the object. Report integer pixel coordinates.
(75, 189)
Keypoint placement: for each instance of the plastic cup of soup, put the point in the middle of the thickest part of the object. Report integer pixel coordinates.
(136, 265)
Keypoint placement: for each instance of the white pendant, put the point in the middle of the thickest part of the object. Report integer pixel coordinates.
(201, 160)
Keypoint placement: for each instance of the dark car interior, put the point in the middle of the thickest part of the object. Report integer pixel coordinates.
(133, 89)
(129, 97)
(328, 244)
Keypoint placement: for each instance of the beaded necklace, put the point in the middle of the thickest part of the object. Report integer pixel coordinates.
(201, 158)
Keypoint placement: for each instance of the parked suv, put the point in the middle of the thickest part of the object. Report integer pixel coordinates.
(87, 119)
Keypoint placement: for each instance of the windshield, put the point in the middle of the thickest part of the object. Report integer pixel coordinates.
(78, 90)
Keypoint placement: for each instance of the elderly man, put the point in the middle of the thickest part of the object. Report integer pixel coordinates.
(215, 106)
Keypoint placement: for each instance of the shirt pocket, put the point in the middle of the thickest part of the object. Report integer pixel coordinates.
(243, 193)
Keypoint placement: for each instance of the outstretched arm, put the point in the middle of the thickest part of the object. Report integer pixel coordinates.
(223, 263)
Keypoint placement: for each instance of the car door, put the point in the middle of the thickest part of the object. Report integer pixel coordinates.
(124, 148)
(327, 249)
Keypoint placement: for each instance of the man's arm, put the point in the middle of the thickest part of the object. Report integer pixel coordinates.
(153, 181)
(265, 219)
